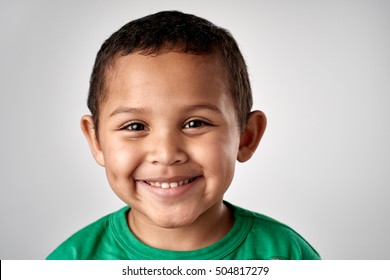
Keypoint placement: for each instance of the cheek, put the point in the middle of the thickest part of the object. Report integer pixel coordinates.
(121, 160)
(218, 156)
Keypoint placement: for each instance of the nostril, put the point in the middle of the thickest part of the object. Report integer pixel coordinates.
(171, 156)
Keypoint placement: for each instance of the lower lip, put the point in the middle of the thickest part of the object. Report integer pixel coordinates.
(169, 193)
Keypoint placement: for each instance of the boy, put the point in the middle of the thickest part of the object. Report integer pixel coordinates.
(170, 100)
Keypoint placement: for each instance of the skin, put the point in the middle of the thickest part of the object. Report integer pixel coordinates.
(169, 118)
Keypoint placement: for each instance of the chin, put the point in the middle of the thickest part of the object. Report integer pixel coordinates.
(169, 222)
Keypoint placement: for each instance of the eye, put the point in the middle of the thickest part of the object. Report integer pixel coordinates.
(135, 126)
(195, 124)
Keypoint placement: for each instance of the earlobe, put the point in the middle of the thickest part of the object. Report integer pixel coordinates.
(251, 136)
(88, 128)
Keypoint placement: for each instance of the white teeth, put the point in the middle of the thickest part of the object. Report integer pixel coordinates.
(166, 185)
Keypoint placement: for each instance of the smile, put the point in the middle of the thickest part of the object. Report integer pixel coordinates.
(166, 185)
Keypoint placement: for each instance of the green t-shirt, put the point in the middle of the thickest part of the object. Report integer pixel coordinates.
(252, 237)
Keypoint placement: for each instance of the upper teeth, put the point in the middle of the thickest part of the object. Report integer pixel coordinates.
(166, 185)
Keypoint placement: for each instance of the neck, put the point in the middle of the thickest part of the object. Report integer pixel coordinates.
(207, 229)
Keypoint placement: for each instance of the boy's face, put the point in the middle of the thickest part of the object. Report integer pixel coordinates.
(168, 136)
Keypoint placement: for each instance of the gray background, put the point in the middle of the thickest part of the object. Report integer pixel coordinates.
(320, 71)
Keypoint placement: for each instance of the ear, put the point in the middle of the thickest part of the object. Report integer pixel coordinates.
(89, 131)
(251, 136)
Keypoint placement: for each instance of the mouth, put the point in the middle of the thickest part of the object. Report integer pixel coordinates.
(170, 184)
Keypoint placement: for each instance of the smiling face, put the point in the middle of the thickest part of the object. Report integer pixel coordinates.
(168, 136)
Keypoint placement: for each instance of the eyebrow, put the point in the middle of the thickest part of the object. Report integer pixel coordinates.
(127, 110)
(130, 110)
(204, 106)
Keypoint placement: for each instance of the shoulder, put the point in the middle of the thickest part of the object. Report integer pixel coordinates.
(85, 243)
(274, 239)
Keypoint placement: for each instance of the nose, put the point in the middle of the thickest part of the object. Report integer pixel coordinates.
(167, 149)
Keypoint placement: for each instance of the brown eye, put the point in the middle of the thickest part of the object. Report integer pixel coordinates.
(195, 124)
(135, 126)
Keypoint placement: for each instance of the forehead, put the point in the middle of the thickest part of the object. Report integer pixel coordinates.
(172, 73)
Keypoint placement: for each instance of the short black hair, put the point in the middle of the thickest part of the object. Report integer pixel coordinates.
(172, 31)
